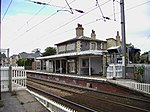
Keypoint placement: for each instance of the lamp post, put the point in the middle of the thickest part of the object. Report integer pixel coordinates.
(123, 39)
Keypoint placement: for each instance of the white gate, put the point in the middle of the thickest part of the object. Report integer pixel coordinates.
(4, 78)
(13, 78)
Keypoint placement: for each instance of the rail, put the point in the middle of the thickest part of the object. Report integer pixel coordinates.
(50, 104)
(64, 100)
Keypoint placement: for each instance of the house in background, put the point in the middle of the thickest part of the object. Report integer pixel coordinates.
(28, 59)
(114, 50)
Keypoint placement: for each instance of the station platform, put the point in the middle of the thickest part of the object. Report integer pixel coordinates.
(21, 101)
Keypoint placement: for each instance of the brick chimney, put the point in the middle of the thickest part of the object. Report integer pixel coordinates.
(118, 42)
(79, 31)
(93, 35)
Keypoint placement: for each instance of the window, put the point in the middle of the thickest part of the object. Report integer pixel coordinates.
(102, 45)
(93, 46)
(85, 62)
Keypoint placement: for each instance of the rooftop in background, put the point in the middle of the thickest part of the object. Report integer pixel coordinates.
(29, 55)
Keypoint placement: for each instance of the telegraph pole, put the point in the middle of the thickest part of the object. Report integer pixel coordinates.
(123, 39)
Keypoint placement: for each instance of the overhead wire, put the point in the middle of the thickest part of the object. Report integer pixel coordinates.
(26, 23)
(97, 4)
(33, 16)
(75, 18)
(95, 20)
(38, 24)
(102, 18)
(69, 7)
(114, 10)
(7, 10)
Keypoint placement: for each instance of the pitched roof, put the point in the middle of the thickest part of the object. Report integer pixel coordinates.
(29, 55)
(80, 38)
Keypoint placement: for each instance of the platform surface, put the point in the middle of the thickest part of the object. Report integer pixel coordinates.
(22, 101)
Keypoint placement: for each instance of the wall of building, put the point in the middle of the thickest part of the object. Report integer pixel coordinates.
(111, 42)
(70, 47)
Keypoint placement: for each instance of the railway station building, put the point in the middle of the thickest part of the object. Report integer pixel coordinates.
(81, 55)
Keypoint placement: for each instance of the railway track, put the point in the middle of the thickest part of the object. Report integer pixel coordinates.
(95, 100)
(61, 100)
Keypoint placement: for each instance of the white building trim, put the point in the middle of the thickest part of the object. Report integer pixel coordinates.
(88, 52)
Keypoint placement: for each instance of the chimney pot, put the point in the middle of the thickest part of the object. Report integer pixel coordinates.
(93, 35)
(118, 42)
(79, 30)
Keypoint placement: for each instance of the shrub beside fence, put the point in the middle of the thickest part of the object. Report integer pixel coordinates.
(134, 73)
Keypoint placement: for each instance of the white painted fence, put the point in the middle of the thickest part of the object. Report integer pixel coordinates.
(114, 71)
(4, 78)
(13, 78)
(142, 87)
(51, 105)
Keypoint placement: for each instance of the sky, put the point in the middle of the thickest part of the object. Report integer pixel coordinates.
(27, 26)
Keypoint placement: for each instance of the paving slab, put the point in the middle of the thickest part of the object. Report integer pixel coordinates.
(22, 101)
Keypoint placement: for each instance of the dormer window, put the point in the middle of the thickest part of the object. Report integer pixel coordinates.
(93, 46)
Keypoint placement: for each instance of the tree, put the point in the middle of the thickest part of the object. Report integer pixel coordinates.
(144, 58)
(27, 63)
(134, 54)
(37, 50)
(49, 51)
(3, 55)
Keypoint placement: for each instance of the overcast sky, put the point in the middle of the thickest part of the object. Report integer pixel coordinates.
(27, 25)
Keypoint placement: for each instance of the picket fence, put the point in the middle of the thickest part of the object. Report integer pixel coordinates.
(13, 78)
(141, 87)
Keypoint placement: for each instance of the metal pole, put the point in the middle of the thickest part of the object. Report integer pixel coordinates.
(8, 56)
(123, 38)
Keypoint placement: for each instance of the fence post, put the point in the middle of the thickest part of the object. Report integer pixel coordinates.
(10, 78)
(114, 71)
